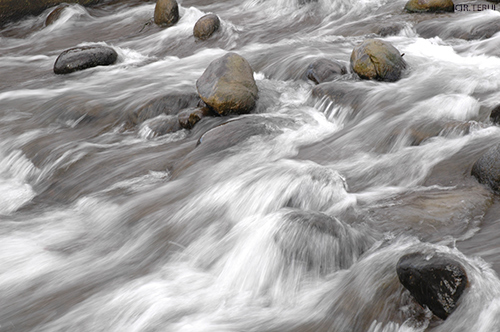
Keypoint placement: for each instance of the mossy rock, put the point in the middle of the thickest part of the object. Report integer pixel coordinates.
(433, 6)
(375, 59)
(227, 86)
(166, 13)
(206, 26)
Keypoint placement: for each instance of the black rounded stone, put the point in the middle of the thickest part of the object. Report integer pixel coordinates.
(434, 280)
(80, 58)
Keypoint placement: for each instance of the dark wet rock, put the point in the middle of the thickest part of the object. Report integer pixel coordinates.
(227, 85)
(188, 118)
(320, 242)
(495, 115)
(15, 9)
(487, 169)
(170, 104)
(160, 126)
(422, 6)
(325, 70)
(80, 58)
(55, 14)
(166, 13)
(375, 59)
(206, 26)
(434, 280)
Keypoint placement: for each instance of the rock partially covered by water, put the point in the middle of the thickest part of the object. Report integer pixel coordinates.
(55, 14)
(321, 243)
(80, 58)
(421, 6)
(166, 13)
(434, 280)
(206, 26)
(487, 169)
(227, 85)
(375, 59)
(325, 70)
(189, 117)
(16, 9)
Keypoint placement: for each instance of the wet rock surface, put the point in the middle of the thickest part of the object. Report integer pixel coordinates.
(228, 86)
(376, 59)
(421, 6)
(487, 169)
(325, 70)
(434, 280)
(206, 26)
(166, 13)
(80, 58)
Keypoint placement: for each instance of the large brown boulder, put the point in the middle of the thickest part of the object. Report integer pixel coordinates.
(166, 13)
(206, 26)
(434, 280)
(422, 6)
(15, 9)
(375, 59)
(227, 85)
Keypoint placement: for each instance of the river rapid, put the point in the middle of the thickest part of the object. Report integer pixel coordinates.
(105, 226)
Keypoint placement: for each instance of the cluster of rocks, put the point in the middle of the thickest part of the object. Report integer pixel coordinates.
(167, 14)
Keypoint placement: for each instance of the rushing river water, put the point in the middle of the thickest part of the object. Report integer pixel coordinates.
(105, 226)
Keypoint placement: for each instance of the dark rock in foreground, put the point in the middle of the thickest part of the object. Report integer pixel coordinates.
(422, 6)
(227, 85)
(166, 13)
(487, 169)
(15, 9)
(325, 70)
(434, 280)
(80, 58)
(375, 59)
(206, 26)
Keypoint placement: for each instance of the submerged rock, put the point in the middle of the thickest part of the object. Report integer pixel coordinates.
(188, 118)
(166, 13)
(170, 104)
(375, 59)
(55, 14)
(420, 6)
(435, 281)
(320, 242)
(206, 26)
(325, 70)
(227, 85)
(487, 169)
(160, 126)
(80, 58)
(16, 9)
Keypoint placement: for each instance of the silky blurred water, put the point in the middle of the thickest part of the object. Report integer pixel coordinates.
(107, 226)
